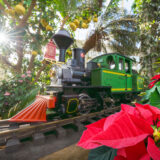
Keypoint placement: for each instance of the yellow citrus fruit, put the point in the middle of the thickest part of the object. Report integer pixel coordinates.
(85, 21)
(43, 22)
(95, 15)
(95, 19)
(73, 26)
(6, 11)
(11, 12)
(80, 18)
(89, 19)
(76, 22)
(84, 25)
(34, 53)
(19, 9)
(69, 53)
(49, 28)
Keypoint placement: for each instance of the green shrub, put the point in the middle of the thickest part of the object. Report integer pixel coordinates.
(15, 92)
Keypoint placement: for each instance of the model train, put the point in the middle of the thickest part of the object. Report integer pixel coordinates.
(105, 80)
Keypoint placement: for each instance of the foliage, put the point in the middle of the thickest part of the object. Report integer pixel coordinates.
(121, 31)
(102, 153)
(30, 31)
(152, 96)
(117, 28)
(16, 92)
(26, 101)
(148, 14)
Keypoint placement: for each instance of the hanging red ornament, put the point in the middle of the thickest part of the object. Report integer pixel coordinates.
(50, 51)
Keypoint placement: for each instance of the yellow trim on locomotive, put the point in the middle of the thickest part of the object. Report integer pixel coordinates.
(69, 101)
(121, 89)
(122, 74)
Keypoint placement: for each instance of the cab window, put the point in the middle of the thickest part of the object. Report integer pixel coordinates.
(111, 62)
(127, 66)
(100, 60)
(121, 64)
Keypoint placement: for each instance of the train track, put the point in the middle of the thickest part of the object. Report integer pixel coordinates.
(32, 141)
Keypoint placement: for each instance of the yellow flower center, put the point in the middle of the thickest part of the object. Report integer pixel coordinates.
(156, 135)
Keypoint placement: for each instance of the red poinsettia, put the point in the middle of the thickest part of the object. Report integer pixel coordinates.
(130, 131)
(155, 79)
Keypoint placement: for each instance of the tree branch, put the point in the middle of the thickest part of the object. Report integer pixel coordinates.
(5, 61)
(30, 67)
(5, 1)
(2, 9)
(23, 22)
(64, 21)
(39, 72)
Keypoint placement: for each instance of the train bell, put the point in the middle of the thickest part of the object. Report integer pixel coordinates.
(63, 40)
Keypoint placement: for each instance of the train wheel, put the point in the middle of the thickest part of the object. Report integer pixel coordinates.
(83, 108)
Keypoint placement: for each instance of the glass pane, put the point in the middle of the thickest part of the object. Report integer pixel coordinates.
(111, 62)
(120, 64)
(127, 66)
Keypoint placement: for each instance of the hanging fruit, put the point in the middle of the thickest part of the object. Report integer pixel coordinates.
(44, 23)
(11, 12)
(49, 28)
(95, 15)
(85, 21)
(69, 52)
(80, 18)
(73, 26)
(34, 53)
(84, 25)
(95, 19)
(89, 19)
(19, 9)
(76, 22)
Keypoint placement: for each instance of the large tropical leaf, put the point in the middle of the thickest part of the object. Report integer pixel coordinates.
(155, 98)
(117, 29)
(102, 153)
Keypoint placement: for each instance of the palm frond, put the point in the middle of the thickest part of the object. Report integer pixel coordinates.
(27, 100)
(118, 29)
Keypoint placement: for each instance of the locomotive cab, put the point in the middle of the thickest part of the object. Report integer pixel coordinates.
(115, 70)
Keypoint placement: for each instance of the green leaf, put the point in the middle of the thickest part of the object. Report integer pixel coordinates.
(102, 153)
(155, 98)
(158, 89)
(27, 100)
(1, 2)
(147, 95)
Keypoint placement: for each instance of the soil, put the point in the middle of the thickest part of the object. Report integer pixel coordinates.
(72, 152)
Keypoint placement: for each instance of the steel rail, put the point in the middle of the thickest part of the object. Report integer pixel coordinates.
(45, 127)
(36, 141)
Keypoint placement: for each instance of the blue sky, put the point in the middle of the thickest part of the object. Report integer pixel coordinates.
(127, 4)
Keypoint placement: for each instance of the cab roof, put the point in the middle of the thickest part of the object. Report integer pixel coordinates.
(113, 54)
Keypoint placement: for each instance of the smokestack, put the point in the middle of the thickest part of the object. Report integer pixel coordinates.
(63, 40)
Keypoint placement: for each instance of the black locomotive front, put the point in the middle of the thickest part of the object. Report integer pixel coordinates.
(71, 83)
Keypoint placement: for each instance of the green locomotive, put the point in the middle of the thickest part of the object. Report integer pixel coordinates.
(115, 70)
(106, 80)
